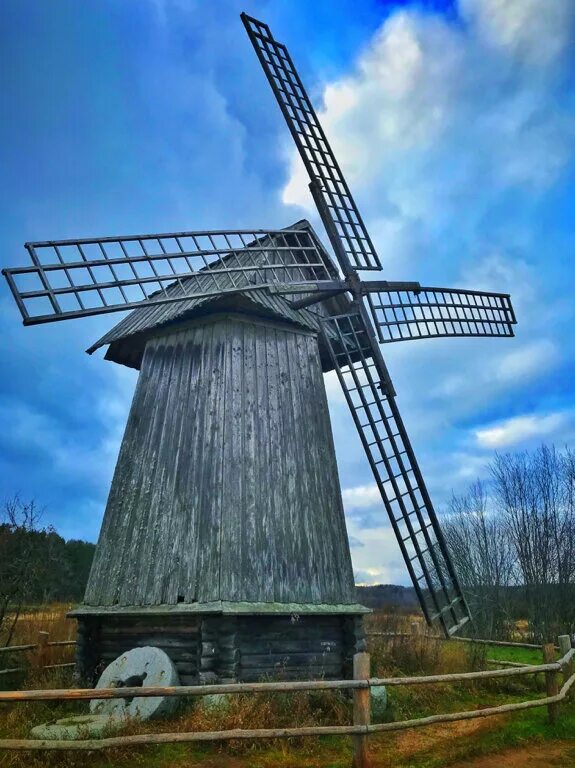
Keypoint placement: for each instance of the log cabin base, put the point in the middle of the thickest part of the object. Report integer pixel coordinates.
(224, 647)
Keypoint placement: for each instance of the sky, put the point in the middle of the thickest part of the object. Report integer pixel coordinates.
(454, 124)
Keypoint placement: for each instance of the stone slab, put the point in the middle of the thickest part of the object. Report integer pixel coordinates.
(79, 727)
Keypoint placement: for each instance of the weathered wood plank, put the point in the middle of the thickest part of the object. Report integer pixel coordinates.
(213, 498)
(289, 645)
(264, 663)
(164, 641)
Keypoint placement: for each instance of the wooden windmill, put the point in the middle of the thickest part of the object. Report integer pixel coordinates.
(224, 538)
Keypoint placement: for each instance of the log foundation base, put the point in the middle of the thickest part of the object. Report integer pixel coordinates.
(221, 648)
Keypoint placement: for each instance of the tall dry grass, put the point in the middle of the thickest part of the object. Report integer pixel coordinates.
(46, 618)
(51, 619)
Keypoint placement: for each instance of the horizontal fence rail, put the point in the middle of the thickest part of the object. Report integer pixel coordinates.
(79, 694)
(34, 646)
(41, 649)
(476, 640)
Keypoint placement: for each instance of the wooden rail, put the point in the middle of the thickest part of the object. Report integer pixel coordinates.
(34, 646)
(13, 670)
(360, 685)
(83, 694)
(41, 649)
(475, 640)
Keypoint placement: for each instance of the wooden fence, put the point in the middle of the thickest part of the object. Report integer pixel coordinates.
(418, 629)
(40, 652)
(360, 686)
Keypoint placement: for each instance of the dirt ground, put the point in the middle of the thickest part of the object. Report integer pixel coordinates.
(557, 755)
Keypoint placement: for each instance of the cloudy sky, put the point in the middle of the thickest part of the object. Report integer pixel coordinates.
(454, 122)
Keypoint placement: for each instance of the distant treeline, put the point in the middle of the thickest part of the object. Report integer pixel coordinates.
(36, 563)
(388, 597)
(58, 568)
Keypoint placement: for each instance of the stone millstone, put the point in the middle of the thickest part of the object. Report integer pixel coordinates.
(79, 727)
(378, 702)
(141, 667)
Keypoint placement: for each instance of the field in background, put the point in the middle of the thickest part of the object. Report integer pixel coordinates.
(50, 618)
(432, 747)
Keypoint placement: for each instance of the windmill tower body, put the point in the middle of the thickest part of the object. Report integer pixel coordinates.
(224, 538)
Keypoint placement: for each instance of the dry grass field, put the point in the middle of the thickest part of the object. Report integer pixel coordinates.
(522, 740)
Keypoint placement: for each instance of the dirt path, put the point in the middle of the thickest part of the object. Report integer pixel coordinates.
(556, 755)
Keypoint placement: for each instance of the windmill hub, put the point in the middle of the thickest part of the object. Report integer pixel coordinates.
(224, 540)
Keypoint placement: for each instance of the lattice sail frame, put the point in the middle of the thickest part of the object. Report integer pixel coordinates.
(423, 548)
(78, 278)
(401, 315)
(396, 471)
(312, 144)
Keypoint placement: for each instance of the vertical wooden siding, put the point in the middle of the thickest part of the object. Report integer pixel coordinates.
(226, 486)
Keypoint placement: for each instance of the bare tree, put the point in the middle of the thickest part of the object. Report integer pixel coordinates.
(19, 562)
(483, 558)
(535, 496)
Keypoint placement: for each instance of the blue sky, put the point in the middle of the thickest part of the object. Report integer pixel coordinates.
(454, 123)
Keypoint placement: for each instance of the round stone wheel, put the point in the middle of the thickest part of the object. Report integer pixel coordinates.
(146, 667)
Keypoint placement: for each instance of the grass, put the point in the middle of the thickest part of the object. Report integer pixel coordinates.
(521, 655)
(431, 747)
(32, 621)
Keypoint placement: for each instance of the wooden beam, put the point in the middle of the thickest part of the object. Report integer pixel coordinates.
(79, 694)
(361, 711)
(567, 653)
(550, 681)
(42, 648)
(18, 648)
(301, 685)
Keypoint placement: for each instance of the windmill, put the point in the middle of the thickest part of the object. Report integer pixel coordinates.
(224, 537)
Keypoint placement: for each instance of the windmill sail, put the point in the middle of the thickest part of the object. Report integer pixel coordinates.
(402, 315)
(78, 278)
(312, 144)
(354, 351)
(397, 474)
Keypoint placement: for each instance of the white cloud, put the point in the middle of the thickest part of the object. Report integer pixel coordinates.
(527, 361)
(378, 560)
(361, 497)
(437, 118)
(534, 31)
(333, 388)
(519, 429)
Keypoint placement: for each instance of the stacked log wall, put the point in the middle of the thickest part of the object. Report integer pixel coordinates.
(216, 648)
(290, 647)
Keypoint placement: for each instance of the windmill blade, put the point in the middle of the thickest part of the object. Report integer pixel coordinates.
(368, 392)
(312, 145)
(79, 278)
(401, 315)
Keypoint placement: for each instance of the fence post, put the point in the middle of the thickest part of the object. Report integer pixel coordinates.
(361, 710)
(42, 649)
(568, 669)
(550, 679)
